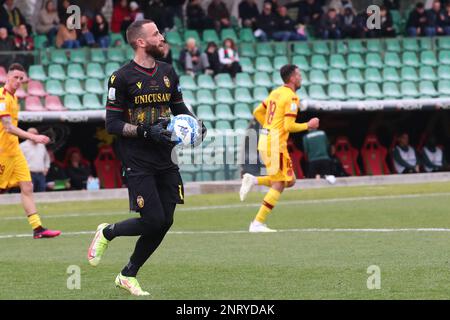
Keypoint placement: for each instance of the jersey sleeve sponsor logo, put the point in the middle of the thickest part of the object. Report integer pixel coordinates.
(112, 94)
(293, 106)
(2, 106)
(166, 81)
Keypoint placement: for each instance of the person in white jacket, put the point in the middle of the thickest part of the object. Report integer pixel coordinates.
(229, 57)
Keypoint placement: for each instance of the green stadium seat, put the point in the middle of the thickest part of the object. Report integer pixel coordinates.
(204, 96)
(262, 79)
(341, 47)
(263, 64)
(78, 56)
(95, 70)
(301, 48)
(337, 61)
(354, 92)
(129, 53)
(305, 78)
(247, 65)
(94, 86)
(58, 56)
(206, 113)
(246, 35)
(97, 55)
(223, 80)
(373, 75)
(205, 81)
(316, 92)
(336, 92)
(444, 57)
(444, 43)
(72, 102)
(354, 75)
(321, 47)
(372, 91)
(37, 72)
(444, 72)
(189, 98)
(428, 58)
(116, 37)
(260, 94)
(393, 45)
(427, 88)
(243, 95)
(264, 49)
(40, 41)
(356, 46)
(90, 101)
(223, 112)
(355, 60)
(56, 71)
(427, 73)
(247, 50)
(281, 49)
(444, 88)
(336, 76)
(115, 55)
(229, 33)
(280, 61)
(54, 87)
(240, 125)
(110, 67)
(408, 89)
(43, 58)
(410, 44)
(426, 43)
(302, 93)
(390, 74)
(187, 82)
(301, 62)
(224, 96)
(374, 45)
(210, 35)
(390, 90)
(276, 78)
(174, 38)
(242, 111)
(410, 59)
(317, 77)
(409, 74)
(76, 71)
(73, 86)
(391, 59)
(223, 125)
(243, 80)
(192, 34)
(319, 62)
(374, 60)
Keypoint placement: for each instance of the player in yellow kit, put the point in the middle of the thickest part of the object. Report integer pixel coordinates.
(13, 165)
(277, 116)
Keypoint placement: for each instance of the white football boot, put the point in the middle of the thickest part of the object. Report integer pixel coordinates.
(248, 182)
(257, 226)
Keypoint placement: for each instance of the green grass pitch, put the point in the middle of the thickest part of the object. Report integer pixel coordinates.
(329, 238)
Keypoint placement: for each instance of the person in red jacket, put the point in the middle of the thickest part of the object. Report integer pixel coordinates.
(121, 14)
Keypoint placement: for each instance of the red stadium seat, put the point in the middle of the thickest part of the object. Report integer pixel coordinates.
(108, 168)
(53, 103)
(21, 93)
(374, 156)
(36, 88)
(348, 156)
(2, 75)
(33, 103)
(296, 157)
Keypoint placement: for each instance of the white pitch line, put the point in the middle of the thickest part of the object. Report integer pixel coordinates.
(248, 205)
(212, 232)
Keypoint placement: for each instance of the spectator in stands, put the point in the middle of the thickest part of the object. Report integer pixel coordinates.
(56, 178)
(85, 36)
(436, 20)
(447, 18)
(62, 10)
(100, 30)
(229, 58)
(336, 166)
(11, 18)
(23, 42)
(175, 9)
(66, 38)
(350, 27)
(38, 161)
(331, 25)
(433, 157)
(212, 53)
(316, 148)
(286, 28)
(267, 23)
(156, 11)
(135, 12)
(387, 23)
(120, 17)
(48, 21)
(248, 13)
(193, 60)
(405, 157)
(6, 44)
(417, 21)
(196, 17)
(340, 5)
(274, 5)
(218, 12)
(167, 58)
(77, 172)
(392, 4)
(309, 13)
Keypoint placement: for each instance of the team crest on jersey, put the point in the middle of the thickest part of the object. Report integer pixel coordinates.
(140, 201)
(166, 81)
(113, 77)
(139, 84)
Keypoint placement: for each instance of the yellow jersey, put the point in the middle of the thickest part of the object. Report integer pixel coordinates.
(9, 106)
(282, 102)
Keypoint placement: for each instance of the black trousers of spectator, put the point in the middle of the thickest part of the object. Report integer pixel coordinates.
(319, 167)
(233, 68)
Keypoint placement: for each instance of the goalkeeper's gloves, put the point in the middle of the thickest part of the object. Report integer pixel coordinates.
(156, 132)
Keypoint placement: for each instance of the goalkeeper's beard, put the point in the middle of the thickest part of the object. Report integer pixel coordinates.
(156, 52)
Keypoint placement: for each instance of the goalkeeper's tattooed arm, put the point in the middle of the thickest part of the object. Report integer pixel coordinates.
(129, 130)
(115, 125)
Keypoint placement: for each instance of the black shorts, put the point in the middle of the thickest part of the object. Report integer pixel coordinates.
(320, 167)
(147, 189)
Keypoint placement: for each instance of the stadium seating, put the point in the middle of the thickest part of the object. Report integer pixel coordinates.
(347, 155)
(374, 156)
(108, 168)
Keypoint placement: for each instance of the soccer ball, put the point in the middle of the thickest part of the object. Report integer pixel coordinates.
(186, 130)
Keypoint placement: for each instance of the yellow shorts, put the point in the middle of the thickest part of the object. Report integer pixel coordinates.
(13, 169)
(279, 167)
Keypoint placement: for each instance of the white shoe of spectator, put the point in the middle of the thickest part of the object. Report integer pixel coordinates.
(331, 179)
